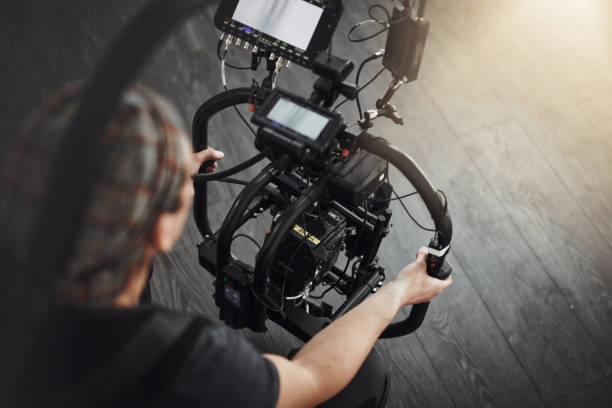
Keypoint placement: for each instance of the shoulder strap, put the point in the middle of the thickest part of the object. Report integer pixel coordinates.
(129, 365)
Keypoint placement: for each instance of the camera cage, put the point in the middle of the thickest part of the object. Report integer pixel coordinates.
(241, 290)
(214, 251)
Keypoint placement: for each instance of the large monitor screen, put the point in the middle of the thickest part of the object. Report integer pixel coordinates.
(291, 21)
(297, 118)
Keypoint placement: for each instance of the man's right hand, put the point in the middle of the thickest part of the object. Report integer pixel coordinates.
(416, 285)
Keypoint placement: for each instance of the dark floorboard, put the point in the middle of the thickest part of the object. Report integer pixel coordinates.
(549, 116)
(597, 395)
(570, 250)
(510, 117)
(523, 301)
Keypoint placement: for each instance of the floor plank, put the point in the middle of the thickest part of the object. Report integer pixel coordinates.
(596, 395)
(415, 382)
(598, 111)
(458, 87)
(486, 236)
(553, 225)
(558, 129)
(462, 359)
(566, 36)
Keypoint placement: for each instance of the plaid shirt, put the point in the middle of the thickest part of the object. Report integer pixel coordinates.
(141, 171)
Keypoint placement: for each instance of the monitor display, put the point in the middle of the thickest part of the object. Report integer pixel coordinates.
(291, 21)
(297, 118)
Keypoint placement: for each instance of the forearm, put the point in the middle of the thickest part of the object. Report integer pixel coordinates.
(334, 356)
(329, 361)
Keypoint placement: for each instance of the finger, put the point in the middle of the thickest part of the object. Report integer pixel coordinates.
(208, 154)
(422, 254)
(216, 154)
(444, 284)
(213, 167)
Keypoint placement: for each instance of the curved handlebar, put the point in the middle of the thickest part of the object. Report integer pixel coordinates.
(434, 203)
(201, 119)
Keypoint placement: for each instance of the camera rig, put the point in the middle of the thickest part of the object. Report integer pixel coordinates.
(326, 186)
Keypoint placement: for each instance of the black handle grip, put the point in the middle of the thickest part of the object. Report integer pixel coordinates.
(440, 272)
(207, 164)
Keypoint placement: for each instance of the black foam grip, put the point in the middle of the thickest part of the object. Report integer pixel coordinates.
(441, 273)
(207, 164)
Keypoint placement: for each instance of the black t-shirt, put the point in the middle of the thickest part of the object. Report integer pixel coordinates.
(208, 366)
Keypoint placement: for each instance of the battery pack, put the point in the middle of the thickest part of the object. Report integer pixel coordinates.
(358, 178)
(405, 45)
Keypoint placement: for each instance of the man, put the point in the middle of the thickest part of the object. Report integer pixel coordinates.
(101, 349)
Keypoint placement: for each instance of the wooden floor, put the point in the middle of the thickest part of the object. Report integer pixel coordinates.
(511, 117)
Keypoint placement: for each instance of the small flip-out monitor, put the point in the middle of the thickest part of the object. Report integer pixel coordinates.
(295, 119)
(297, 30)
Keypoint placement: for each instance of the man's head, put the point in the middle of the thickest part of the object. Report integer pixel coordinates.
(139, 198)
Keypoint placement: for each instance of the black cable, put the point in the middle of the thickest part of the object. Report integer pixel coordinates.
(287, 268)
(387, 200)
(340, 104)
(219, 45)
(369, 37)
(229, 180)
(326, 291)
(205, 178)
(389, 21)
(250, 238)
(360, 89)
(363, 64)
(348, 257)
(374, 78)
(246, 183)
(410, 215)
(242, 118)
(387, 24)
(384, 9)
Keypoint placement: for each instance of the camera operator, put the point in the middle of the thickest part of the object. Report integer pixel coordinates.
(98, 347)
